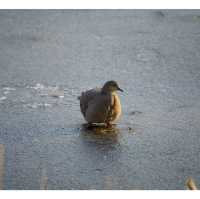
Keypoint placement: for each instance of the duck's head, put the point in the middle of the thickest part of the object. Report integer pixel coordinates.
(111, 86)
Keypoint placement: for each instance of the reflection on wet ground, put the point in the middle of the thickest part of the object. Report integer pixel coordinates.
(49, 57)
(103, 147)
(100, 138)
(43, 179)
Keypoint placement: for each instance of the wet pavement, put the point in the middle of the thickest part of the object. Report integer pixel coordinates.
(48, 57)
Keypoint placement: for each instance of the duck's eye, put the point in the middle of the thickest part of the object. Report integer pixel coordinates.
(114, 87)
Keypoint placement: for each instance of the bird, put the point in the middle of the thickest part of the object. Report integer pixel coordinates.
(101, 105)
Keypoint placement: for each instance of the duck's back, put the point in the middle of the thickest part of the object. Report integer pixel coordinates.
(86, 98)
(99, 108)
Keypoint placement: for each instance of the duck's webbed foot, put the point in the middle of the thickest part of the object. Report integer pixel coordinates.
(109, 125)
(88, 125)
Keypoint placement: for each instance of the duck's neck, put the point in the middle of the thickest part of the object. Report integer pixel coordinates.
(106, 91)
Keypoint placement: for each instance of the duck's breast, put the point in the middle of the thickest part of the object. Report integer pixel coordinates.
(117, 110)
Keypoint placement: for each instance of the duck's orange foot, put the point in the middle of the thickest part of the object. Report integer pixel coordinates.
(109, 125)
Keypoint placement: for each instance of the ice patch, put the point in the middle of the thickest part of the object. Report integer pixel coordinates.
(56, 92)
(3, 98)
(6, 92)
(53, 91)
(38, 105)
(38, 86)
(8, 89)
(47, 105)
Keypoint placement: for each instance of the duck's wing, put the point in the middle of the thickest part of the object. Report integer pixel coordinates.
(86, 97)
(99, 108)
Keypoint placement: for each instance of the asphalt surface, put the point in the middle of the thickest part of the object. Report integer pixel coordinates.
(48, 57)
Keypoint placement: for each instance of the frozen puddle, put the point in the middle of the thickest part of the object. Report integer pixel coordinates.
(37, 96)
(56, 93)
(53, 91)
(3, 98)
(38, 105)
(38, 86)
(8, 89)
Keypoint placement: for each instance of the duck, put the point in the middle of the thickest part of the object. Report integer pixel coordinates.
(101, 105)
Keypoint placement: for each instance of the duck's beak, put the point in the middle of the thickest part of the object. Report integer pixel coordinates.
(119, 89)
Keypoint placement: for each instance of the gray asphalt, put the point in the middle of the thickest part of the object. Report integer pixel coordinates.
(154, 55)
